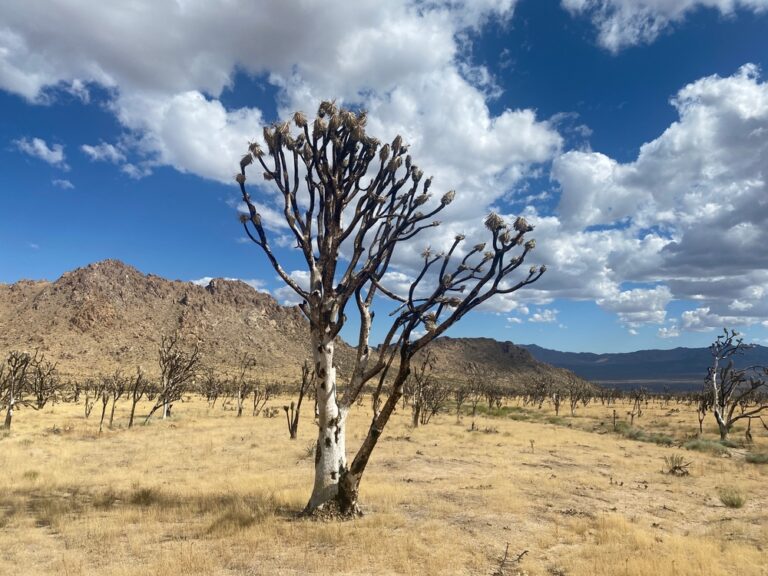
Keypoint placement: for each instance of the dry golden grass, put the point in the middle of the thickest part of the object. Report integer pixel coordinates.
(208, 493)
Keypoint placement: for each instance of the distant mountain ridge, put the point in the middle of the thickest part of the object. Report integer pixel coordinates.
(676, 369)
(109, 315)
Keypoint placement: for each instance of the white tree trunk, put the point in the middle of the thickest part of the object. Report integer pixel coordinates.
(719, 403)
(330, 454)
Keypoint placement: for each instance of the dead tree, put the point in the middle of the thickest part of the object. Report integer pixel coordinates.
(243, 386)
(139, 387)
(460, 395)
(494, 394)
(292, 412)
(261, 395)
(703, 405)
(14, 382)
(476, 395)
(556, 401)
(638, 396)
(428, 394)
(91, 393)
(177, 371)
(105, 396)
(211, 387)
(118, 386)
(578, 392)
(536, 391)
(341, 186)
(44, 383)
(416, 387)
(732, 387)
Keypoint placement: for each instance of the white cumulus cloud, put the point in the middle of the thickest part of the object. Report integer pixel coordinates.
(103, 152)
(38, 148)
(623, 23)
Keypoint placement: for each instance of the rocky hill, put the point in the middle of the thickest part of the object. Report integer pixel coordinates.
(108, 315)
(489, 359)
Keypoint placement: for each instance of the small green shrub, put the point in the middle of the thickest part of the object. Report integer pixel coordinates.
(624, 429)
(732, 497)
(757, 457)
(660, 439)
(709, 446)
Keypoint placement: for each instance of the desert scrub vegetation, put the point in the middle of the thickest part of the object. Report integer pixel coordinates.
(205, 492)
(756, 457)
(711, 446)
(676, 465)
(732, 497)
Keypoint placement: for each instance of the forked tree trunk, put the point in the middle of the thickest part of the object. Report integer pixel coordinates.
(349, 485)
(330, 453)
(722, 425)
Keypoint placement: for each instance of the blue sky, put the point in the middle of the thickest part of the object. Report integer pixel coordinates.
(632, 133)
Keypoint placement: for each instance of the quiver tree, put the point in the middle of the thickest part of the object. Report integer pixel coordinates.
(349, 202)
(178, 369)
(732, 387)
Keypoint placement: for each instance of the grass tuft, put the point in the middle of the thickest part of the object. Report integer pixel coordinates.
(145, 497)
(31, 475)
(105, 500)
(732, 497)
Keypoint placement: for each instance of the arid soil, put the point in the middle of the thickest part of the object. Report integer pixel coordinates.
(209, 493)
